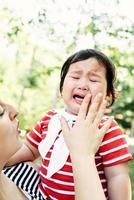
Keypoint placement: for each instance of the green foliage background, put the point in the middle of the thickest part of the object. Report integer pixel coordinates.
(33, 49)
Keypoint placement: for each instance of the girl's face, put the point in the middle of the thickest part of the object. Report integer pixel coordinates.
(9, 131)
(86, 76)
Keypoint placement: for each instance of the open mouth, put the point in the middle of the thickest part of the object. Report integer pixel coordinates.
(18, 129)
(78, 98)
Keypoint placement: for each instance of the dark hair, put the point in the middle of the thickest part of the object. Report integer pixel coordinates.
(101, 58)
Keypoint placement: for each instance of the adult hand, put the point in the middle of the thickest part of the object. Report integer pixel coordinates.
(85, 137)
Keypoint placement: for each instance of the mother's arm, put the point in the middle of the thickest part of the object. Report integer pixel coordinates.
(83, 141)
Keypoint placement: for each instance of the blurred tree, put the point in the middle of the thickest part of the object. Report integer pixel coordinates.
(33, 49)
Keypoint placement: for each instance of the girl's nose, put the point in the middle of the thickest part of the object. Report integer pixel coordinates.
(13, 115)
(12, 112)
(83, 85)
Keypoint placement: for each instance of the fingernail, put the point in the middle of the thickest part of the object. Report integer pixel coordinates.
(88, 95)
(99, 95)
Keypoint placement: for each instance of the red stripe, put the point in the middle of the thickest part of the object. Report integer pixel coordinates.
(43, 126)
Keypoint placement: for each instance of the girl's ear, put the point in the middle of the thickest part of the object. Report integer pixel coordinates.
(109, 100)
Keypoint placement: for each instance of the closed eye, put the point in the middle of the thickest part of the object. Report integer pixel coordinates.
(2, 111)
(75, 77)
(94, 80)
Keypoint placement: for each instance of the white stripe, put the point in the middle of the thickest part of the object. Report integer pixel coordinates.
(59, 172)
(98, 164)
(52, 197)
(32, 140)
(35, 185)
(65, 173)
(68, 163)
(100, 172)
(44, 166)
(105, 190)
(36, 132)
(114, 149)
(44, 132)
(103, 181)
(20, 173)
(117, 159)
(8, 172)
(36, 176)
(58, 181)
(13, 172)
(112, 129)
(46, 158)
(26, 194)
(61, 182)
(44, 196)
(112, 139)
(69, 173)
(59, 191)
(97, 157)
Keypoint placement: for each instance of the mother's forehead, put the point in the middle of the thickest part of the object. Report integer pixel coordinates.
(6, 106)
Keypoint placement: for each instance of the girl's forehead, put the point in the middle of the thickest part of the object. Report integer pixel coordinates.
(88, 65)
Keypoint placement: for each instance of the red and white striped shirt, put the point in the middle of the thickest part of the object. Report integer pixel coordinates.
(60, 185)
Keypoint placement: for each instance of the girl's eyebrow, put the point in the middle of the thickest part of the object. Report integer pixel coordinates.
(76, 71)
(95, 74)
(91, 73)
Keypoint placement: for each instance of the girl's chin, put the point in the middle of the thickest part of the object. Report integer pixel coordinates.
(73, 111)
(77, 109)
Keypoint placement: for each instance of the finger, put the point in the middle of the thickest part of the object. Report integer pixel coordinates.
(100, 113)
(84, 107)
(105, 128)
(92, 112)
(64, 126)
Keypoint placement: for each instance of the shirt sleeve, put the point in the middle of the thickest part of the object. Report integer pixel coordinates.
(35, 136)
(114, 148)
